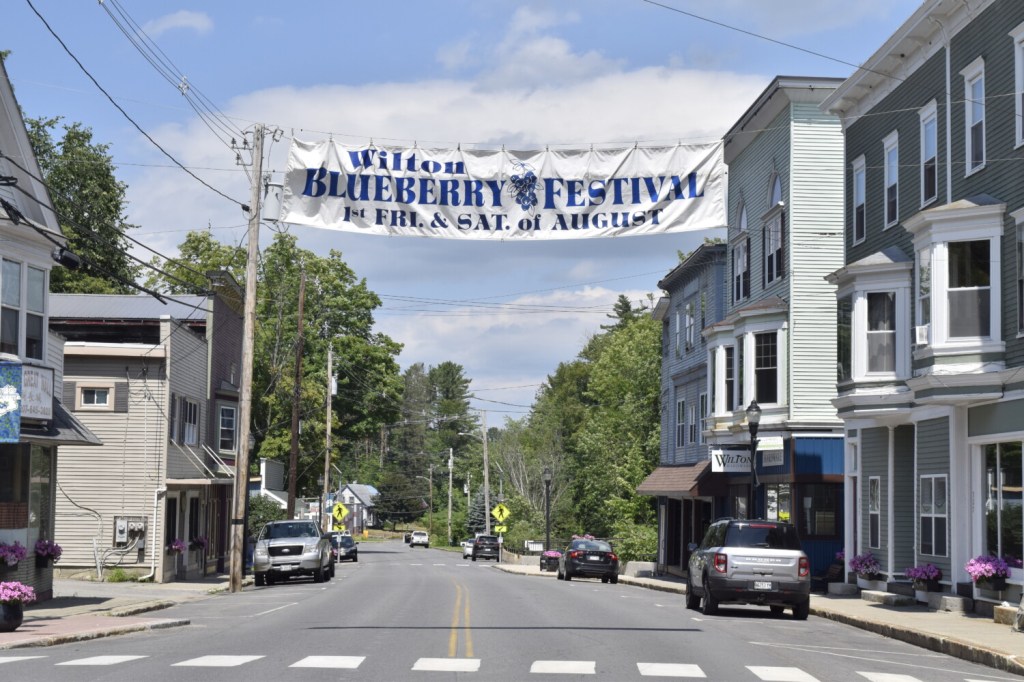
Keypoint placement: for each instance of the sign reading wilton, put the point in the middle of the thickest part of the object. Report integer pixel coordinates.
(503, 195)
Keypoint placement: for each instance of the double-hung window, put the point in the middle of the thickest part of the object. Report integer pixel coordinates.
(741, 270)
(969, 288)
(690, 323)
(859, 209)
(874, 512)
(766, 367)
(703, 414)
(694, 423)
(22, 309)
(680, 423)
(929, 153)
(891, 146)
(933, 515)
(730, 378)
(881, 331)
(679, 331)
(228, 428)
(188, 421)
(974, 114)
(1020, 278)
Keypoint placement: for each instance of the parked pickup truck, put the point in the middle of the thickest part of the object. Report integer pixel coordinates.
(288, 548)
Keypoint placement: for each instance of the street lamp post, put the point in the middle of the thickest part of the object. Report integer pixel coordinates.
(320, 511)
(547, 508)
(753, 420)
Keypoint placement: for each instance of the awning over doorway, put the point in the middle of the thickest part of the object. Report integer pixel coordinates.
(681, 480)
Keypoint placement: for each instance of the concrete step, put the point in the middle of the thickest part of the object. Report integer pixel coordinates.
(887, 598)
(845, 589)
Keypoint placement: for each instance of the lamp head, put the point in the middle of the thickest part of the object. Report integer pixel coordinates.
(546, 475)
(754, 413)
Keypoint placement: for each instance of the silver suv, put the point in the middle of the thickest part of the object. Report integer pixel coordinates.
(750, 562)
(287, 548)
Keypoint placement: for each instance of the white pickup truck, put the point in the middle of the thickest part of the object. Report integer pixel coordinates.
(419, 537)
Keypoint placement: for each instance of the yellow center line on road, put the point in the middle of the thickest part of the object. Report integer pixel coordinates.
(461, 609)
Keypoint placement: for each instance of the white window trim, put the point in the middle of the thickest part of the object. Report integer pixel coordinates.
(680, 423)
(1017, 35)
(24, 266)
(81, 387)
(184, 425)
(872, 479)
(889, 144)
(739, 277)
(971, 74)
(703, 403)
(858, 168)
(920, 513)
(220, 411)
(929, 113)
(933, 233)
(679, 331)
(694, 424)
(1018, 217)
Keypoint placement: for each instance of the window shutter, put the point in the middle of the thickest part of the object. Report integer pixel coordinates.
(172, 413)
(746, 277)
(69, 394)
(121, 396)
(782, 245)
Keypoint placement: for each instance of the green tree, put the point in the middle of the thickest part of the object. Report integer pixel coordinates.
(262, 510)
(90, 205)
(197, 255)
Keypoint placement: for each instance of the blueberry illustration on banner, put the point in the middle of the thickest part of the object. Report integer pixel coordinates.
(523, 186)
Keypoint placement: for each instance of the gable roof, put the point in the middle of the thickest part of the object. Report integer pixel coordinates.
(363, 493)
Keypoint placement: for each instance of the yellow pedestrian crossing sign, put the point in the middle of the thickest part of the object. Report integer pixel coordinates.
(500, 512)
(501, 529)
(340, 511)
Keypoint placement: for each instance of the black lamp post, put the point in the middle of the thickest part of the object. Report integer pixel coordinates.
(547, 508)
(753, 420)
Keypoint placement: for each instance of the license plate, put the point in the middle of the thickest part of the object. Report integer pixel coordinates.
(594, 558)
(286, 567)
(762, 584)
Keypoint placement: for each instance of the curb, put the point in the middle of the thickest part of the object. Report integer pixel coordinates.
(944, 645)
(142, 607)
(98, 634)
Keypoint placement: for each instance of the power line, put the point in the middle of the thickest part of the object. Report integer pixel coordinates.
(125, 113)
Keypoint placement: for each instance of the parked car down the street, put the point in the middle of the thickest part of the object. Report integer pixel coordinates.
(750, 562)
(419, 537)
(589, 558)
(467, 548)
(288, 548)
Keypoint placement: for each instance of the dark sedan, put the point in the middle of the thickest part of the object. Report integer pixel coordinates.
(588, 558)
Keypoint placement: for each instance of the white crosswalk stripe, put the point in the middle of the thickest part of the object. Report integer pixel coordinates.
(218, 661)
(334, 662)
(888, 677)
(448, 665)
(781, 674)
(670, 670)
(102, 660)
(15, 659)
(564, 667)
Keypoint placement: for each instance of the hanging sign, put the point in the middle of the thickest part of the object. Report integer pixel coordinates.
(10, 402)
(504, 195)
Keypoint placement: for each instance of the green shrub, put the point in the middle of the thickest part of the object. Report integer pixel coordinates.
(119, 575)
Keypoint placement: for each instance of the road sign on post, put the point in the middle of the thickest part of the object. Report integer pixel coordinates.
(500, 512)
(340, 511)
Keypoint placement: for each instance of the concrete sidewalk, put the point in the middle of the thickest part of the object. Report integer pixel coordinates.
(965, 636)
(86, 610)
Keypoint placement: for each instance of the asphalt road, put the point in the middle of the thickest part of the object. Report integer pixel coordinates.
(411, 614)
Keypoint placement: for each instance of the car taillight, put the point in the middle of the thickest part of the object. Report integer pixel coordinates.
(805, 567)
(721, 562)
(612, 556)
(575, 554)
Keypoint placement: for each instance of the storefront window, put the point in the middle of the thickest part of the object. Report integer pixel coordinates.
(39, 489)
(820, 509)
(778, 502)
(1004, 512)
(738, 501)
(13, 486)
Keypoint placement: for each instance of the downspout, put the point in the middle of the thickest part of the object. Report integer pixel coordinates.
(949, 121)
(152, 542)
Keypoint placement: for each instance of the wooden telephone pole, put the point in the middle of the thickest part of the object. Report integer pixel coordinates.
(241, 492)
(293, 459)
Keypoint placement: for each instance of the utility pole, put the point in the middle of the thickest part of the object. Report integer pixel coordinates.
(241, 492)
(451, 452)
(293, 459)
(430, 524)
(487, 479)
(324, 516)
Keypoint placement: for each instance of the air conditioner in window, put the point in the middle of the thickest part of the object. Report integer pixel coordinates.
(921, 334)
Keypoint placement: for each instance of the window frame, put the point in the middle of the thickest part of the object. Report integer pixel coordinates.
(1019, 231)
(741, 276)
(188, 431)
(693, 422)
(221, 410)
(890, 332)
(689, 324)
(766, 377)
(80, 393)
(703, 402)
(680, 422)
(1017, 36)
(730, 378)
(891, 166)
(774, 236)
(874, 507)
(981, 291)
(858, 194)
(929, 114)
(974, 115)
(933, 515)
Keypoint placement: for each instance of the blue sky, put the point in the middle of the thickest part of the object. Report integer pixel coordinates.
(523, 74)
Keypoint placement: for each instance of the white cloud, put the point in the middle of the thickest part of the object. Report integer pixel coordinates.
(781, 19)
(199, 22)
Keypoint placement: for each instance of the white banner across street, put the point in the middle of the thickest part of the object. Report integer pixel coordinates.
(504, 195)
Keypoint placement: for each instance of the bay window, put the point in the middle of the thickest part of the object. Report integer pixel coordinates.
(881, 333)
(844, 331)
(766, 366)
(968, 289)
